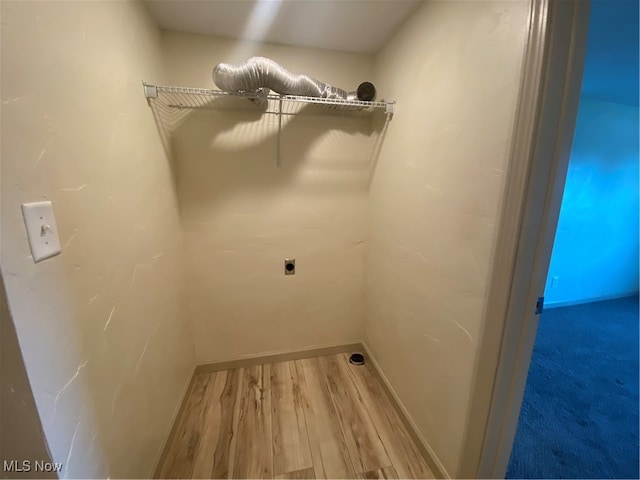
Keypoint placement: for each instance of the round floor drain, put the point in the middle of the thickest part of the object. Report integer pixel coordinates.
(357, 359)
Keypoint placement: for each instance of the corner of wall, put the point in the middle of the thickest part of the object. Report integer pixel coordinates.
(454, 69)
(102, 327)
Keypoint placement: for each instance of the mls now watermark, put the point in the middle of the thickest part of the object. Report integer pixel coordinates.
(29, 466)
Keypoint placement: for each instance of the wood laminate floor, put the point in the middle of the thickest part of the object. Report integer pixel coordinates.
(313, 418)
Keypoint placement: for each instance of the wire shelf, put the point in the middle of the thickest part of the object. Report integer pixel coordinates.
(201, 98)
(171, 105)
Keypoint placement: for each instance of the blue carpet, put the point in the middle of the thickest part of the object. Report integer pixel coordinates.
(579, 416)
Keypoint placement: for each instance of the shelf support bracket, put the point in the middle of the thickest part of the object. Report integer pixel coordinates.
(150, 91)
(279, 132)
(390, 108)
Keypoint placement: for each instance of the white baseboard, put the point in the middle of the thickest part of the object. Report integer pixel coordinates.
(241, 361)
(177, 411)
(425, 449)
(571, 303)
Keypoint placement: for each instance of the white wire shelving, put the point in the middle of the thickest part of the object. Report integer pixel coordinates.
(186, 98)
(170, 104)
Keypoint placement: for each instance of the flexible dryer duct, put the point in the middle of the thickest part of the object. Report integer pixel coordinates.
(258, 73)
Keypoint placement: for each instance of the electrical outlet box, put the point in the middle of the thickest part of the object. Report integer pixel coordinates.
(290, 266)
(42, 230)
(554, 282)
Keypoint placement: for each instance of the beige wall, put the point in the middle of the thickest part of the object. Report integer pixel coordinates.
(21, 435)
(454, 69)
(102, 327)
(242, 216)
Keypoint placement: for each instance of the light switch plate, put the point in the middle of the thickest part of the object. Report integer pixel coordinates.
(41, 230)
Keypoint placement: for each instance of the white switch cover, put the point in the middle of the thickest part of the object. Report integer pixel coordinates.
(41, 230)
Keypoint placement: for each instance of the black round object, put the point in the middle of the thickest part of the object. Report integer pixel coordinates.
(289, 267)
(366, 92)
(357, 359)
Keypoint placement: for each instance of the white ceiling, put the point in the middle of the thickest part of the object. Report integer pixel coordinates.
(347, 25)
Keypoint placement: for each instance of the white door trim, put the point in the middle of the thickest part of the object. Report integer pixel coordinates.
(545, 122)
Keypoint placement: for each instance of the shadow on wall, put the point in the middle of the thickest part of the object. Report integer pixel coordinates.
(226, 153)
(380, 125)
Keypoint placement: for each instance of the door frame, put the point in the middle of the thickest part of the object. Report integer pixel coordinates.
(544, 126)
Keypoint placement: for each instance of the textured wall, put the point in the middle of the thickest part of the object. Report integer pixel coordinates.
(242, 216)
(102, 327)
(454, 69)
(595, 252)
(611, 69)
(21, 435)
